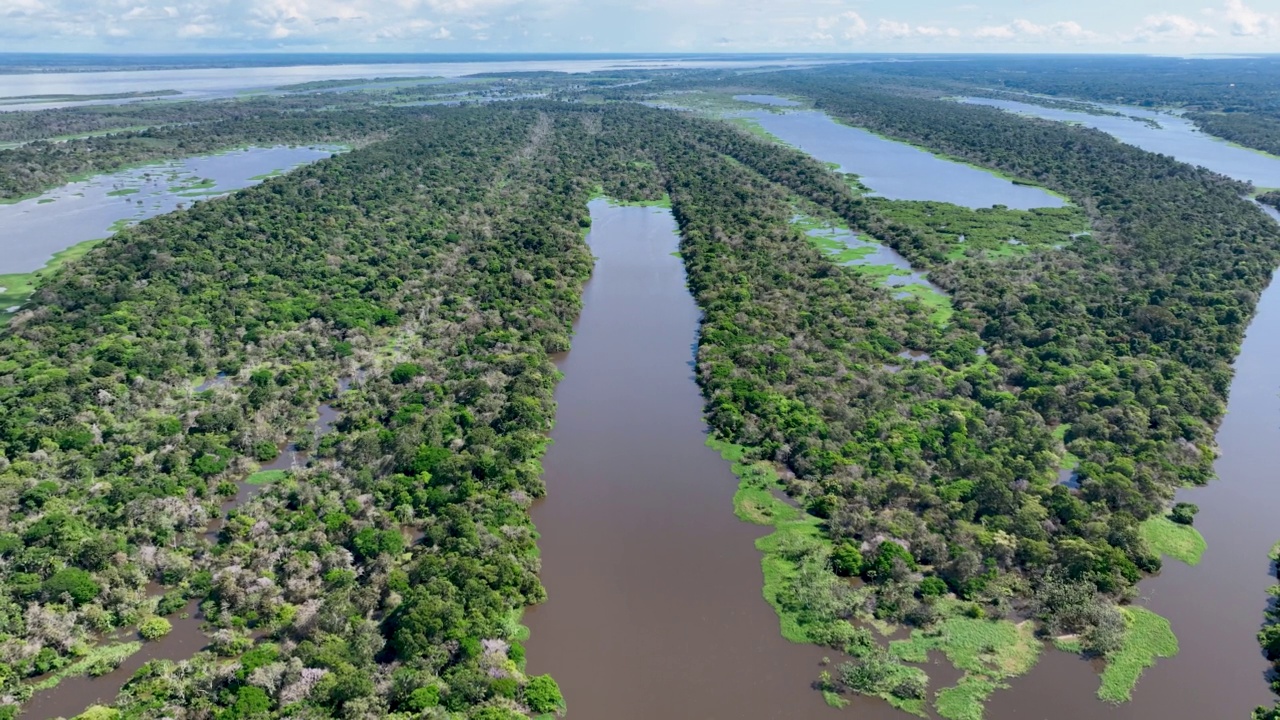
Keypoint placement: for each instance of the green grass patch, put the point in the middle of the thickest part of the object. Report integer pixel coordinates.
(966, 699)
(1166, 537)
(1148, 637)
(1069, 644)
(45, 201)
(96, 661)
(752, 127)
(988, 651)
(755, 502)
(662, 202)
(123, 191)
(263, 477)
(833, 699)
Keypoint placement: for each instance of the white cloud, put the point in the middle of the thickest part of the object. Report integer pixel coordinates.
(1165, 27)
(894, 29)
(1245, 21)
(850, 25)
(1025, 30)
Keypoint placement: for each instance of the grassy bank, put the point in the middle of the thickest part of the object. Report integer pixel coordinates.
(95, 661)
(1166, 537)
(16, 288)
(1147, 638)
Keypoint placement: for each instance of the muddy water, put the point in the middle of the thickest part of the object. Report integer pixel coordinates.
(654, 587)
(73, 695)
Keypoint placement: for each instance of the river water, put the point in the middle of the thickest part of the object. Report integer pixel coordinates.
(1176, 137)
(654, 603)
(207, 83)
(893, 169)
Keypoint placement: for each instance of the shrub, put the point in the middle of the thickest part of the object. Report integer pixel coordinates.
(1184, 513)
(846, 560)
(404, 372)
(933, 587)
(154, 627)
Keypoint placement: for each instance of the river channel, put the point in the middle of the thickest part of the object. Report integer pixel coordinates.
(654, 603)
(893, 169)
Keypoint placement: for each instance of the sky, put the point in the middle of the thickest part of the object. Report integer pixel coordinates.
(782, 26)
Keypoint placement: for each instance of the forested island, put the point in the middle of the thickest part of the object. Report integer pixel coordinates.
(421, 285)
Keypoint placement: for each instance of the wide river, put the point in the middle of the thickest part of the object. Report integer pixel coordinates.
(893, 169)
(654, 603)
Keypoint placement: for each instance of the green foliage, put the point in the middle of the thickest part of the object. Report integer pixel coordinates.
(887, 555)
(154, 628)
(542, 695)
(404, 372)
(846, 560)
(78, 584)
(1184, 513)
(1147, 638)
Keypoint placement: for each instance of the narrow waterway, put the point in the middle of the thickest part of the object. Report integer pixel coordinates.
(75, 694)
(893, 169)
(654, 603)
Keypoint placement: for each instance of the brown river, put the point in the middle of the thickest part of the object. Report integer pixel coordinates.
(654, 607)
(654, 603)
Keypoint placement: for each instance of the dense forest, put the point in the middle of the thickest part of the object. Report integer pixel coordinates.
(435, 269)
(1117, 344)
(1235, 99)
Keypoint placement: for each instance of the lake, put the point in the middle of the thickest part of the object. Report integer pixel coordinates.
(892, 169)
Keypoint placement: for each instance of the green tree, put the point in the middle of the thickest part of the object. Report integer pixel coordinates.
(74, 582)
(542, 695)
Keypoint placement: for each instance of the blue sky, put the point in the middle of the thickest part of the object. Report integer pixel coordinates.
(1144, 26)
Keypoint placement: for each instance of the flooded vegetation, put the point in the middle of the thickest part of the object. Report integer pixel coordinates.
(55, 225)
